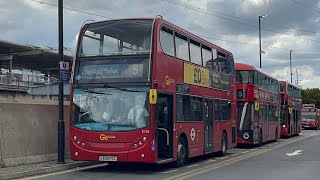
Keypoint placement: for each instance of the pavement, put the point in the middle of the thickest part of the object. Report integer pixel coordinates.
(40, 168)
(294, 158)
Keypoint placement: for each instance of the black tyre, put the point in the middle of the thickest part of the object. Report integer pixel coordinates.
(224, 144)
(182, 153)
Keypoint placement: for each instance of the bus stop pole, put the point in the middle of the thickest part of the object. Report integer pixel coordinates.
(61, 125)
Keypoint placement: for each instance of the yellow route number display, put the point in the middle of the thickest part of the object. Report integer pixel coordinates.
(196, 75)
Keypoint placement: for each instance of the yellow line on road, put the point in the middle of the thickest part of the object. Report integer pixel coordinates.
(209, 168)
(210, 161)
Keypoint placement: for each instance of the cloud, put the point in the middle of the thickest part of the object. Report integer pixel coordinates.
(224, 23)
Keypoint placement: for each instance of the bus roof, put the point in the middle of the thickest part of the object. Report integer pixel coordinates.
(248, 67)
(287, 83)
(161, 21)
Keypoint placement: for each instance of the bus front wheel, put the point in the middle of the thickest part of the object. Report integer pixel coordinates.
(182, 154)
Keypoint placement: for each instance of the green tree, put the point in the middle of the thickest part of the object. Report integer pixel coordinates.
(311, 96)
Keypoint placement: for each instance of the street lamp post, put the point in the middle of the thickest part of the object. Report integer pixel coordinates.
(291, 67)
(260, 51)
(61, 126)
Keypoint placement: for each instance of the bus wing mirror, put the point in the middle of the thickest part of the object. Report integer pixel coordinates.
(153, 96)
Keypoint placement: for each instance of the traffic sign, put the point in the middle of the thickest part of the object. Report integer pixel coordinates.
(64, 71)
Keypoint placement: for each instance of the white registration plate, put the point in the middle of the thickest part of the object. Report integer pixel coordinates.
(108, 158)
(306, 126)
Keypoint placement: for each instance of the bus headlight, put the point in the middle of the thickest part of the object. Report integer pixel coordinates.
(246, 135)
(284, 126)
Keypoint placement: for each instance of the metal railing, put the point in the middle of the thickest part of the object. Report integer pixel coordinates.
(22, 82)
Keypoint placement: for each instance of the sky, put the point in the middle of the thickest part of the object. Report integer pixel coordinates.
(231, 24)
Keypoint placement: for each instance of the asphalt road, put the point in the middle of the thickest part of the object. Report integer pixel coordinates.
(264, 163)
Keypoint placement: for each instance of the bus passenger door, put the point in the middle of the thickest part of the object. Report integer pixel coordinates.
(165, 126)
(208, 125)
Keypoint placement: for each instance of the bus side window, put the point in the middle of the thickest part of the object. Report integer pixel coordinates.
(222, 62)
(196, 108)
(195, 52)
(166, 41)
(230, 65)
(207, 57)
(182, 47)
(217, 114)
(183, 107)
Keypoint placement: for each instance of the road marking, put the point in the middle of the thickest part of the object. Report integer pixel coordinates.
(194, 165)
(225, 157)
(66, 171)
(209, 168)
(210, 161)
(169, 171)
(295, 153)
(244, 152)
(234, 155)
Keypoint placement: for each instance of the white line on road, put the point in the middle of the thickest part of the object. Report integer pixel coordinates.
(194, 165)
(66, 171)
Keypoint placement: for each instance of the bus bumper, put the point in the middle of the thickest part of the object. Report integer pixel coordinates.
(112, 152)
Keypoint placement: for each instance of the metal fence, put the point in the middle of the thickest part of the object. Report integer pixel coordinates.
(23, 82)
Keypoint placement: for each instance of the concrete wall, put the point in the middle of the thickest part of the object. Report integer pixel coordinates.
(28, 131)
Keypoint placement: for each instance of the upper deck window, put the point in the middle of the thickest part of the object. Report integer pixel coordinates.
(166, 40)
(244, 77)
(182, 49)
(207, 57)
(195, 52)
(120, 37)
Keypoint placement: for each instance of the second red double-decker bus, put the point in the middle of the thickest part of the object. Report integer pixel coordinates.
(310, 116)
(257, 105)
(291, 104)
(145, 90)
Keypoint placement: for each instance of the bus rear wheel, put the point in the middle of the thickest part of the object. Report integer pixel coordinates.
(182, 153)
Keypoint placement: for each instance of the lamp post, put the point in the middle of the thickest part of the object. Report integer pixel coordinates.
(291, 66)
(297, 77)
(61, 126)
(263, 16)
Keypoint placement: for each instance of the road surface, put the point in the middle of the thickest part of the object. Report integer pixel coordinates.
(295, 158)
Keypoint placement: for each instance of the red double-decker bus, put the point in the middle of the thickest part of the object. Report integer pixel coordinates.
(310, 117)
(257, 105)
(146, 90)
(291, 104)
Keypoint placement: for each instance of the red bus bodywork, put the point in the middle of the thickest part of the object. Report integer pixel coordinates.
(310, 117)
(258, 106)
(291, 104)
(144, 145)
